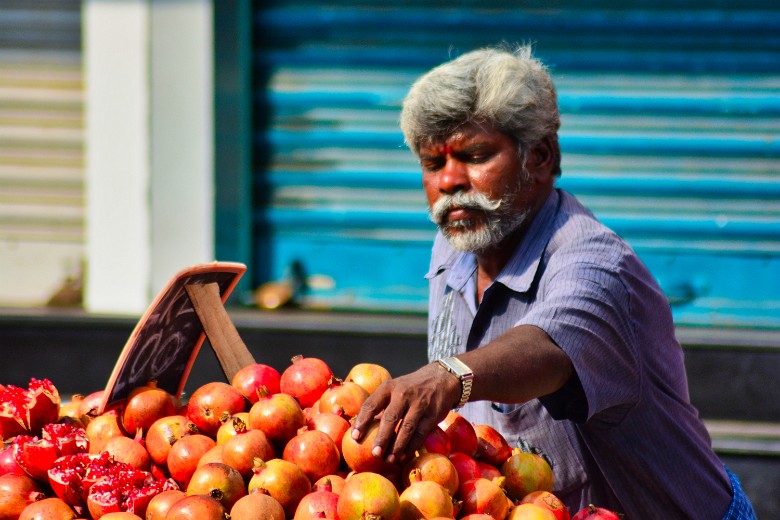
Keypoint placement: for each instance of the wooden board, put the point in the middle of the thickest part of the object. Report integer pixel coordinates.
(167, 338)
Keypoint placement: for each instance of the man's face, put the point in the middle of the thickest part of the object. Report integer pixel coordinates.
(475, 189)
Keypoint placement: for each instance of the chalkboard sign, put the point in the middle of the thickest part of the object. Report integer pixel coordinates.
(167, 338)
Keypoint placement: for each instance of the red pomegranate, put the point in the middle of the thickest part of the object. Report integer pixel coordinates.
(488, 471)
(210, 402)
(336, 482)
(466, 467)
(368, 375)
(314, 452)
(197, 507)
(16, 493)
(492, 447)
(548, 501)
(130, 451)
(257, 506)
(278, 415)
(526, 472)
(241, 450)
(283, 480)
(434, 467)
(342, 397)
(437, 442)
(128, 490)
(481, 495)
(592, 512)
(144, 405)
(369, 495)
(358, 455)
(425, 499)
(48, 509)
(160, 504)
(89, 405)
(184, 456)
(530, 511)
(164, 433)
(322, 502)
(305, 379)
(121, 515)
(229, 425)
(331, 423)
(213, 455)
(103, 427)
(250, 379)
(35, 456)
(461, 433)
(71, 476)
(26, 411)
(8, 463)
(218, 481)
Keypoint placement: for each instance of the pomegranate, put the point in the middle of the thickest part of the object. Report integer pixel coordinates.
(305, 379)
(331, 423)
(358, 455)
(164, 433)
(219, 481)
(342, 397)
(69, 412)
(26, 411)
(437, 442)
(103, 427)
(492, 447)
(71, 476)
(488, 471)
(213, 455)
(528, 511)
(283, 480)
(481, 495)
(369, 495)
(48, 509)
(592, 512)
(434, 467)
(197, 507)
(160, 504)
(368, 375)
(314, 452)
(35, 456)
(526, 472)
(322, 502)
(278, 415)
(8, 462)
(548, 501)
(241, 450)
(461, 433)
(16, 493)
(257, 506)
(121, 515)
(130, 451)
(466, 467)
(228, 428)
(253, 377)
(425, 499)
(89, 405)
(184, 456)
(335, 481)
(125, 489)
(144, 405)
(208, 404)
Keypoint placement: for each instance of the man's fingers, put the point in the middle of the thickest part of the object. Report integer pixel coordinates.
(373, 405)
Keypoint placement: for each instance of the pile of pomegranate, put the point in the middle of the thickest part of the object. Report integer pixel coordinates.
(269, 445)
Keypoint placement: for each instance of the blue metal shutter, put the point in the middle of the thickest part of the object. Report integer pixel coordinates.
(670, 135)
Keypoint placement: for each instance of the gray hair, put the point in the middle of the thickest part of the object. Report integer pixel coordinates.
(510, 90)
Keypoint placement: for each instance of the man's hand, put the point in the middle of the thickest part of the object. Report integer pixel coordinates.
(409, 407)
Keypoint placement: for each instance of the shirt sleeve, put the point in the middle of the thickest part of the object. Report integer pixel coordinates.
(585, 309)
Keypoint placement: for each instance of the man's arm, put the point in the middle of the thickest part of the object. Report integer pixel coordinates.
(522, 364)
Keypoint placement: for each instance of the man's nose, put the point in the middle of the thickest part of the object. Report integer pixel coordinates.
(454, 176)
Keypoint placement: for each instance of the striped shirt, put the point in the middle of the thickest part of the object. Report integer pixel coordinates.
(623, 433)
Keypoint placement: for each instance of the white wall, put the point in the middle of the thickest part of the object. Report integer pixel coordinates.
(149, 147)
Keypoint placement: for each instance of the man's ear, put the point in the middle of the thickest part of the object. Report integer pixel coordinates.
(543, 158)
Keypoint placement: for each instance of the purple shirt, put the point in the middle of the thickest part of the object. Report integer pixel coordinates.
(622, 433)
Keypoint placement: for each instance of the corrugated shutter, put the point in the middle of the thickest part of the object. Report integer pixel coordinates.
(670, 134)
(41, 164)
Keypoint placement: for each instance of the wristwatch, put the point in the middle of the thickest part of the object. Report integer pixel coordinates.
(458, 368)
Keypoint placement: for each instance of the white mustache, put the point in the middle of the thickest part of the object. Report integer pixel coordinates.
(463, 200)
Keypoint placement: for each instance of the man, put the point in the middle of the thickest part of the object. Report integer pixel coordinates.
(569, 339)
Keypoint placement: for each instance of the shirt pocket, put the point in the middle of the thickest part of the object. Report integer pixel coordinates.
(529, 424)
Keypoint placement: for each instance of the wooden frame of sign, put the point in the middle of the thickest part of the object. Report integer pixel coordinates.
(165, 342)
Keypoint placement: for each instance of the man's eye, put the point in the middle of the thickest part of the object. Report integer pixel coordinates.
(432, 164)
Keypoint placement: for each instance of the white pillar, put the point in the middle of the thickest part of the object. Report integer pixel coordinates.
(149, 157)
